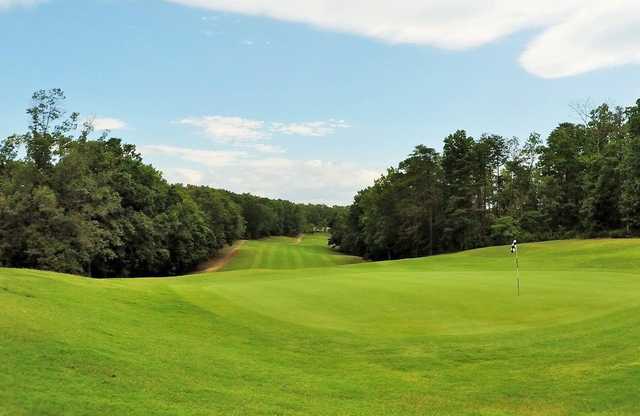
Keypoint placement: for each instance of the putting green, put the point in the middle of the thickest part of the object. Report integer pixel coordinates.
(284, 330)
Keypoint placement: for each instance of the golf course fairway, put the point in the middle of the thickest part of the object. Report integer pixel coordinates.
(290, 328)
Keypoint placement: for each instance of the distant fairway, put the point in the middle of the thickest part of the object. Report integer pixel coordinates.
(286, 330)
(279, 253)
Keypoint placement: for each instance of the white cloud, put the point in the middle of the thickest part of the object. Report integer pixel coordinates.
(6, 4)
(315, 128)
(228, 129)
(210, 158)
(576, 35)
(185, 175)
(264, 148)
(107, 123)
(239, 130)
(299, 180)
(450, 24)
(605, 34)
(276, 177)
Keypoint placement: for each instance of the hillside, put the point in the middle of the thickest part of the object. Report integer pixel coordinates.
(433, 336)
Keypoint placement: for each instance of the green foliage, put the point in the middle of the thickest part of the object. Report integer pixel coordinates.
(582, 182)
(505, 230)
(92, 207)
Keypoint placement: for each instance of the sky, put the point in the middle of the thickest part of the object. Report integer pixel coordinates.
(312, 100)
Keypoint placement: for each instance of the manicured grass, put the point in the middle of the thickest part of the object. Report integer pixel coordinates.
(438, 336)
(281, 253)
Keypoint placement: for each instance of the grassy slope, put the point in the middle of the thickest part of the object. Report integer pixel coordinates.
(435, 336)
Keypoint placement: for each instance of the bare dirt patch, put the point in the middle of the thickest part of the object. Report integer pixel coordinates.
(217, 263)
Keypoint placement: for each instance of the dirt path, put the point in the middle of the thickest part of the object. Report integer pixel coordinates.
(217, 263)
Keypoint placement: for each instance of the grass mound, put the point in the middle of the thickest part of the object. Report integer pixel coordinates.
(277, 335)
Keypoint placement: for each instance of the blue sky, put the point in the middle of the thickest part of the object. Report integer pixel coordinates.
(311, 101)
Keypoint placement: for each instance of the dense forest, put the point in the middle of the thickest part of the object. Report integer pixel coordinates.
(74, 204)
(584, 181)
(91, 206)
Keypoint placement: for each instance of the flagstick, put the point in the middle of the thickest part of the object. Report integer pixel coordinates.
(517, 272)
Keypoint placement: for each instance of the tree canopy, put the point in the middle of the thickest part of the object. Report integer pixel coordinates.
(74, 204)
(584, 181)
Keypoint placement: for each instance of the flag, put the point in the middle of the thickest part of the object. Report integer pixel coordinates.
(514, 247)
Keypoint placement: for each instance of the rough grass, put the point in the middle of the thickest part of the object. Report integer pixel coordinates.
(438, 336)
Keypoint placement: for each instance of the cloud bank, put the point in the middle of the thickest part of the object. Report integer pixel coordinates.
(209, 158)
(239, 130)
(248, 162)
(574, 36)
(600, 35)
(315, 181)
(228, 129)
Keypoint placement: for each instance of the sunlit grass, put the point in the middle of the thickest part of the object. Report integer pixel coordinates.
(292, 332)
(288, 253)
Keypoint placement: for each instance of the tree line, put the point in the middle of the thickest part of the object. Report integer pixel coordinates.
(584, 181)
(75, 204)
